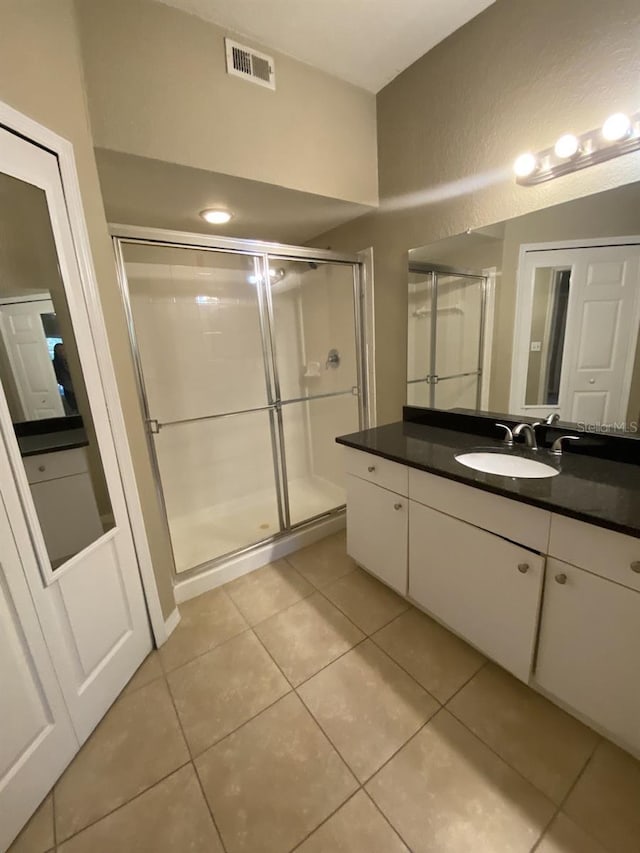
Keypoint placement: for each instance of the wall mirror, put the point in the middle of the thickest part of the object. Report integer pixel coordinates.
(42, 380)
(533, 317)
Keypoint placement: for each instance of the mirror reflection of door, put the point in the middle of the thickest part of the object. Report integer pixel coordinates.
(42, 380)
(581, 308)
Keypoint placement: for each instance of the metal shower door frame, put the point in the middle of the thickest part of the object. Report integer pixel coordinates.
(262, 253)
(433, 378)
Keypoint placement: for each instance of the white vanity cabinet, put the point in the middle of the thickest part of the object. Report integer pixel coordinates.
(64, 498)
(589, 649)
(377, 517)
(553, 600)
(484, 588)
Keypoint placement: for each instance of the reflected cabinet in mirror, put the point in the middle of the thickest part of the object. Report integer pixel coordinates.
(532, 317)
(42, 379)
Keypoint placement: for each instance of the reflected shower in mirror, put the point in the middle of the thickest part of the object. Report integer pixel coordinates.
(42, 380)
(551, 326)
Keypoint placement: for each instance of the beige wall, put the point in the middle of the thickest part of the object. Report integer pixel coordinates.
(450, 126)
(41, 75)
(157, 87)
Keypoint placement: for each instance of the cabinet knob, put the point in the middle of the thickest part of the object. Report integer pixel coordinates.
(41, 468)
(371, 469)
(561, 578)
(635, 566)
(523, 568)
(397, 506)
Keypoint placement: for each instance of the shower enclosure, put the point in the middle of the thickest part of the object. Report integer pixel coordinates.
(250, 362)
(445, 350)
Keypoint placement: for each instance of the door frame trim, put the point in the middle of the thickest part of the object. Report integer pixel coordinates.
(33, 131)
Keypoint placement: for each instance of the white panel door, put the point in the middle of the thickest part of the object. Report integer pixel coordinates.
(484, 588)
(589, 649)
(601, 332)
(377, 524)
(91, 607)
(37, 740)
(26, 346)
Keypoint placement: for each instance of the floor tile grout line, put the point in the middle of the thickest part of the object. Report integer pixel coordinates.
(387, 819)
(504, 760)
(274, 661)
(195, 769)
(168, 672)
(329, 663)
(571, 788)
(406, 672)
(370, 777)
(344, 613)
(260, 621)
(468, 681)
(241, 725)
(325, 820)
(63, 841)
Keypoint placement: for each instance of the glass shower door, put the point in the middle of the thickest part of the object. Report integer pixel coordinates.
(314, 317)
(421, 285)
(457, 353)
(445, 339)
(201, 345)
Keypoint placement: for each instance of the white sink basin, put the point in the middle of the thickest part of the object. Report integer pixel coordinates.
(506, 464)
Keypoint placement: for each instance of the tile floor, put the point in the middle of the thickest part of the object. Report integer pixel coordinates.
(307, 707)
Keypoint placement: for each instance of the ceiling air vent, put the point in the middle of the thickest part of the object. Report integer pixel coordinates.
(250, 64)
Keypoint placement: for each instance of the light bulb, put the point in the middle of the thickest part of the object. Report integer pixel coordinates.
(567, 146)
(616, 127)
(525, 165)
(216, 217)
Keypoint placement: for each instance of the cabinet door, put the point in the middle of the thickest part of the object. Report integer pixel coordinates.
(589, 649)
(377, 531)
(484, 588)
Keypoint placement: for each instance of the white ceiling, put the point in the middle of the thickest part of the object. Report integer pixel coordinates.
(365, 42)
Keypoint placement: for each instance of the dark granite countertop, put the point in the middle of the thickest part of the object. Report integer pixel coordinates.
(50, 442)
(598, 491)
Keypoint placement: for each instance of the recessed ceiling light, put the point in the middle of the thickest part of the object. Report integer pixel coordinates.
(216, 217)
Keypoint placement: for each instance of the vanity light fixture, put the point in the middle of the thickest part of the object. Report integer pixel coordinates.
(616, 127)
(525, 165)
(567, 146)
(620, 134)
(216, 216)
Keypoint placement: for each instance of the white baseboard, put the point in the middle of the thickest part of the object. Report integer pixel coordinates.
(171, 622)
(242, 564)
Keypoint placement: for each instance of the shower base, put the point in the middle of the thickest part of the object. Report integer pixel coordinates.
(223, 528)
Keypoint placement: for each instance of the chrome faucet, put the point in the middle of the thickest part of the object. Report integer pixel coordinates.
(529, 432)
(552, 418)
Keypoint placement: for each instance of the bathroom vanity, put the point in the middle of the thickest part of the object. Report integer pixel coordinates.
(541, 575)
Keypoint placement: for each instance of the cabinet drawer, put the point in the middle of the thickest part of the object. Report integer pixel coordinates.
(519, 522)
(51, 466)
(596, 549)
(483, 588)
(389, 475)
